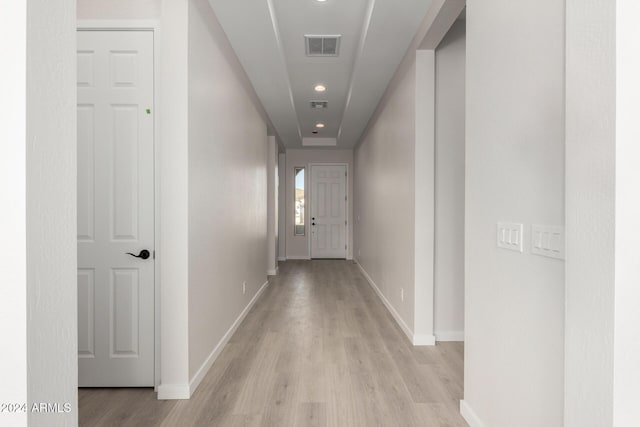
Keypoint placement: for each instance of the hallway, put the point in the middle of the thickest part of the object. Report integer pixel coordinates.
(318, 348)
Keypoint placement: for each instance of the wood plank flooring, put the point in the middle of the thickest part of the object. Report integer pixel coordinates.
(318, 349)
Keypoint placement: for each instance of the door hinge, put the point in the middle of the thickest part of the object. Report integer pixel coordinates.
(154, 254)
(345, 223)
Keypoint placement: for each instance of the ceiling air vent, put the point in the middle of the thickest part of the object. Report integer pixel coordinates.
(322, 45)
(319, 104)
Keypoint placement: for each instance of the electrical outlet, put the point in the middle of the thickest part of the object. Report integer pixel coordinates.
(244, 288)
(402, 294)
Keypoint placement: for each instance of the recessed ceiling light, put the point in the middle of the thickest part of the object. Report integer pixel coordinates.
(319, 125)
(321, 1)
(320, 88)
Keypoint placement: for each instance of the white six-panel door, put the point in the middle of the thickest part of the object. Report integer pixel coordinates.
(115, 209)
(328, 211)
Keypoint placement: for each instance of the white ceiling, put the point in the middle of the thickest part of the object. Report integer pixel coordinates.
(268, 37)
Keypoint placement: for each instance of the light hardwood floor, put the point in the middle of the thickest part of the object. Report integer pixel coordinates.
(318, 349)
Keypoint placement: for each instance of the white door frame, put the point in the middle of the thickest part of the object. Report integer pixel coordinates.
(153, 26)
(346, 205)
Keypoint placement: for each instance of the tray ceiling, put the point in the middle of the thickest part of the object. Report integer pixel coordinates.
(271, 40)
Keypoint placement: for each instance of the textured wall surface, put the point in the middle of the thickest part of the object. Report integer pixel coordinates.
(591, 145)
(51, 209)
(514, 302)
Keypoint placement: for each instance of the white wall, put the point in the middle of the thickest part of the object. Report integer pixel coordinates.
(590, 212)
(385, 197)
(449, 185)
(282, 218)
(297, 247)
(424, 198)
(626, 378)
(13, 222)
(275, 178)
(51, 209)
(514, 316)
(119, 9)
(172, 247)
(272, 207)
(395, 183)
(38, 220)
(603, 214)
(227, 187)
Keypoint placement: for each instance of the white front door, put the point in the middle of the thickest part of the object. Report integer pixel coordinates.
(115, 209)
(328, 211)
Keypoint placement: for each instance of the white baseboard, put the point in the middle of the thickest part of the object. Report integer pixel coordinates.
(387, 304)
(202, 372)
(305, 258)
(173, 391)
(419, 339)
(469, 415)
(445, 336)
(415, 339)
(273, 272)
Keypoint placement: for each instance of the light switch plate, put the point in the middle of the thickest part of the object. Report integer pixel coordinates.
(510, 236)
(547, 240)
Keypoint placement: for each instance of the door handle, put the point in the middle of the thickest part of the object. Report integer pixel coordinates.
(144, 254)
